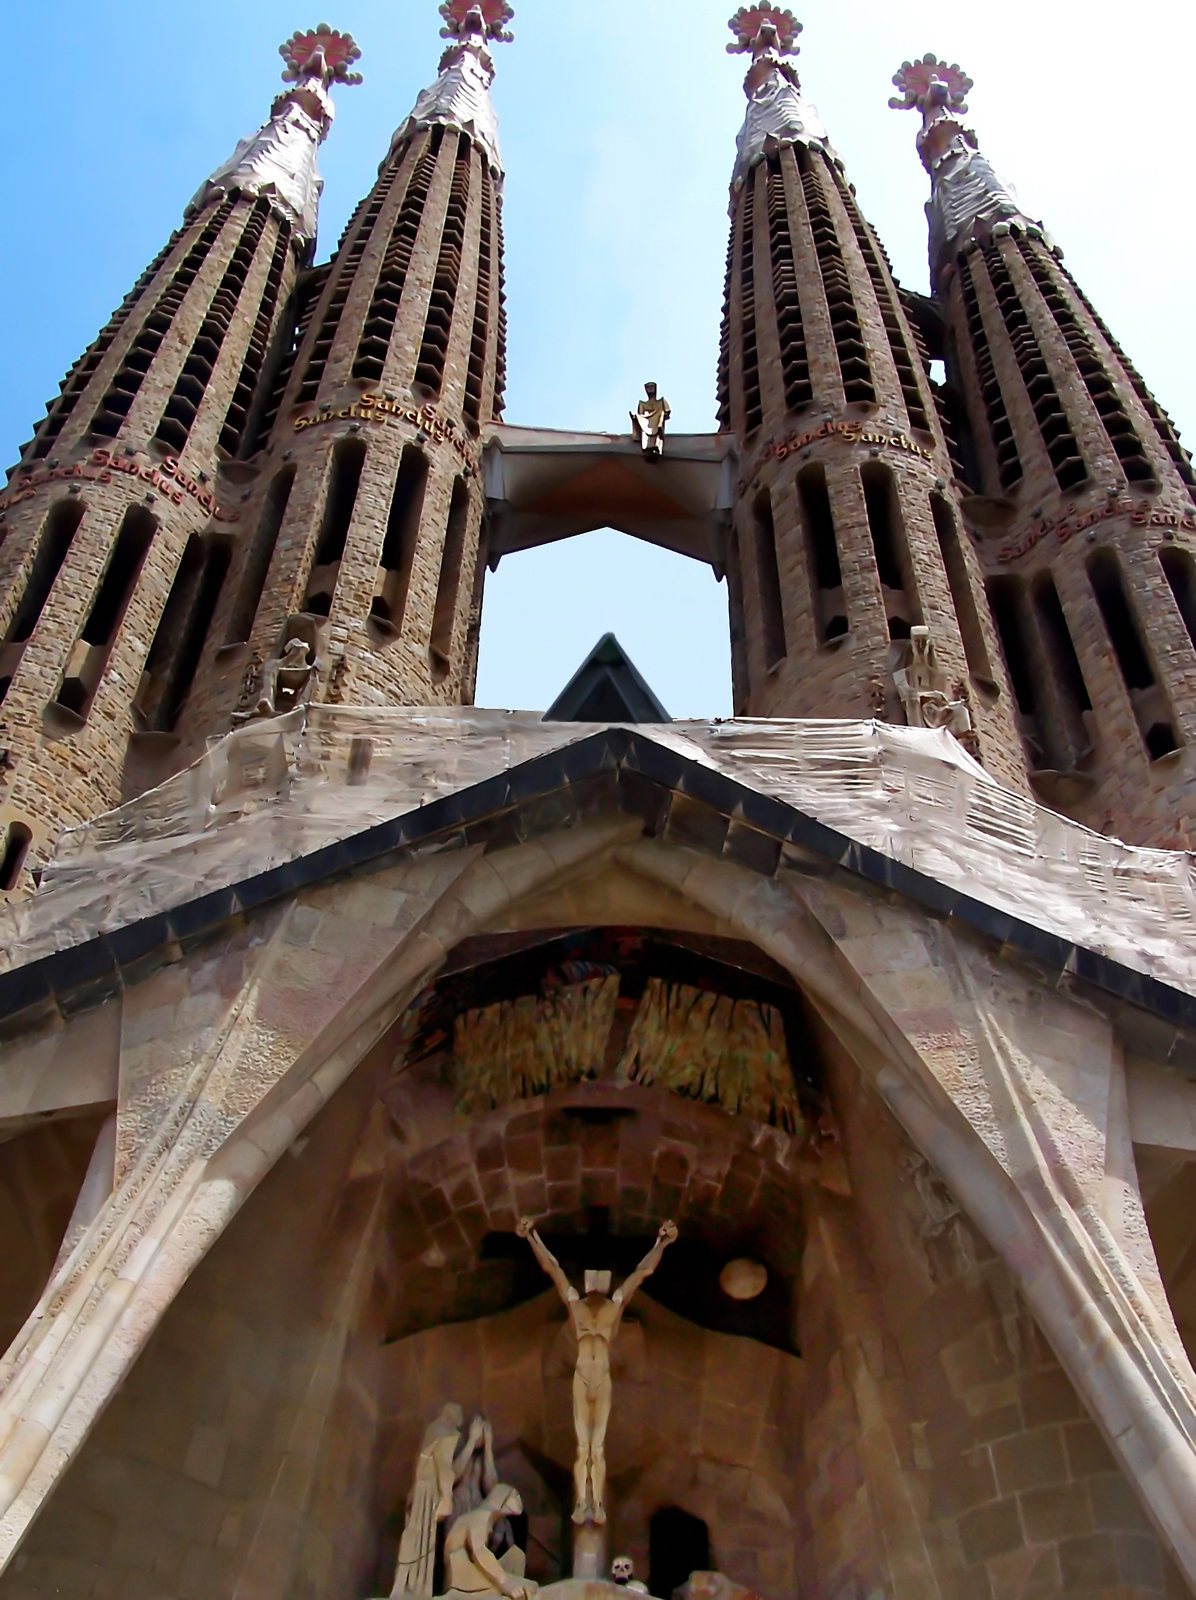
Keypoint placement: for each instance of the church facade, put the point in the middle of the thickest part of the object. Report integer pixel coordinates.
(450, 1152)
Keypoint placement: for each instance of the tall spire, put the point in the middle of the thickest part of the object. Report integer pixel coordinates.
(778, 113)
(279, 160)
(848, 539)
(460, 97)
(969, 202)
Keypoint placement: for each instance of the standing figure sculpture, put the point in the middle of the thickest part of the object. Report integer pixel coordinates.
(440, 1467)
(648, 422)
(595, 1319)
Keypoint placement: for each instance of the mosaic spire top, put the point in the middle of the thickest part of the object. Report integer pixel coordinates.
(778, 113)
(279, 160)
(460, 97)
(968, 202)
(487, 17)
(758, 27)
(322, 53)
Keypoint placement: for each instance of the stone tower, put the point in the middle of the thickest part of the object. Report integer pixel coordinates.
(120, 522)
(1082, 492)
(849, 533)
(365, 517)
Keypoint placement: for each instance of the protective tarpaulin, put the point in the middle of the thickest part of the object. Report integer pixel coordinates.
(275, 791)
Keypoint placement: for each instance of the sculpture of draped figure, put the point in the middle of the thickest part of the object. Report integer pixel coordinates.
(440, 1466)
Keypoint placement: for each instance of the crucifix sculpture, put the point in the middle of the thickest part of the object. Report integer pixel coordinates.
(594, 1318)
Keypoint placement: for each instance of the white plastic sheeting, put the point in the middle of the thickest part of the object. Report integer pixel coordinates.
(275, 791)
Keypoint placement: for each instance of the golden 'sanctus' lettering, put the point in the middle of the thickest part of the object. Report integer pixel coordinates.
(166, 478)
(378, 409)
(850, 429)
(1066, 527)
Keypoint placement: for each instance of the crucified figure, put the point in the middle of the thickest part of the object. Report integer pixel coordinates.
(595, 1319)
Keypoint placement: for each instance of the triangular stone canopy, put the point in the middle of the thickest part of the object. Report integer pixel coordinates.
(606, 688)
(298, 960)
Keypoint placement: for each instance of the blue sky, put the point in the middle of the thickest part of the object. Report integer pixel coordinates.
(618, 124)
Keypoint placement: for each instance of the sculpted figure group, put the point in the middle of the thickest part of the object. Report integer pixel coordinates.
(459, 1480)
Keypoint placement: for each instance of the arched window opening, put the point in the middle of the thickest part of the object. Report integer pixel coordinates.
(1054, 425)
(374, 344)
(1000, 429)
(1065, 687)
(678, 1544)
(822, 555)
(58, 532)
(753, 405)
(398, 547)
(891, 550)
(445, 615)
(1007, 602)
(259, 557)
(1180, 571)
(344, 478)
(126, 385)
(236, 418)
(87, 660)
(795, 364)
(1151, 709)
(850, 345)
(967, 613)
(17, 839)
(768, 581)
(488, 273)
(438, 328)
(182, 408)
(178, 644)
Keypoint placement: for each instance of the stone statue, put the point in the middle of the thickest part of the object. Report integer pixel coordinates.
(441, 1466)
(470, 1565)
(286, 680)
(922, 686)
(648, 422)
(595, 1320)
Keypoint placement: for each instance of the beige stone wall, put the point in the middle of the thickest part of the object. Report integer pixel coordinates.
(979, 1456)
(237, 1452)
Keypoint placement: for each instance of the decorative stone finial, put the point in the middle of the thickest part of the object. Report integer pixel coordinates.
(969, 203)
(460, 97)
(778, 113)
(321, 52)
(931, 82)
(757, 27)
(487, 17)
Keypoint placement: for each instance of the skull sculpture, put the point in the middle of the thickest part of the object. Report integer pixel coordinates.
(622, 1570)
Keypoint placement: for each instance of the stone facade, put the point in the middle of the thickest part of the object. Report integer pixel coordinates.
(294, 1045)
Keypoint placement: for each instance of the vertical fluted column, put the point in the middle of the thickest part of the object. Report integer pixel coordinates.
(374, 448)
(849, 532)
(119, 523)
(1087, 509)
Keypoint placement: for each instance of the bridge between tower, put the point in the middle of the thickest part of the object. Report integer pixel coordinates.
(545, 484)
